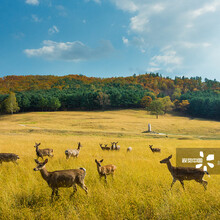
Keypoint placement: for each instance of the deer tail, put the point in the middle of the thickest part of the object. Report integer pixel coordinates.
(83, 169)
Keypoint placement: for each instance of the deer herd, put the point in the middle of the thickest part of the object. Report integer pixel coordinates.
(73, 177)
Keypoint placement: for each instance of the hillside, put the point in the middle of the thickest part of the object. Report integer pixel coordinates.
(78, 92)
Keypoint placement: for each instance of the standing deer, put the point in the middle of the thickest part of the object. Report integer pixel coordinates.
(62, 178)
(105, 170)
(73, 153)
(43, 152)
(157, 150)
(8, 157)
(185, 173)
(115, 146)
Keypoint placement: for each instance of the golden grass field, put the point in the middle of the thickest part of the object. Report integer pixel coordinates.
(141, 187)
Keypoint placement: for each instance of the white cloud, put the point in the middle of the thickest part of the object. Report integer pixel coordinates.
(53, 30)
(210, 7)
(32, 2)
(139, 23)
(70, 51)
(190, 28)
(126, 5)
(168, 57)
(125, 40)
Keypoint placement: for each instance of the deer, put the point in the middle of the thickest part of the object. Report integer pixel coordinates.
(73, 153)
(105, 148)
(185, 173)
(154, 150)
(105, 170)
(129, 149)
(115, 146)
(62, 178)
(9, 157)
(43, 152)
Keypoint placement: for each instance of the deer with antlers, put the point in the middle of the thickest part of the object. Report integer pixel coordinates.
(185, 173)
(62, 178)
(43, 152)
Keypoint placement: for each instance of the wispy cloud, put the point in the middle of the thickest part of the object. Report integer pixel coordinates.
(32, 2)
(35, 18)
(207, 8)
(53, 30)
(70, 51)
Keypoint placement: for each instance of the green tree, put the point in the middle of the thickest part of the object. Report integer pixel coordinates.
(10, 104)
(167, 104)
(54, 103)
(156, 107)
(176, 93)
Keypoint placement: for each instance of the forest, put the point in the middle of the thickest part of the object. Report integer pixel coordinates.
(157, 94)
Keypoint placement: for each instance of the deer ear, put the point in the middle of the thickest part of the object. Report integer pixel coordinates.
(45, 161)
(96, 161)
(36, 161)
(170, 156)
(101, 161)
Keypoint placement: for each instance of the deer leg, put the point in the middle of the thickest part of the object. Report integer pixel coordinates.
(105, 179)
(204, 183)
(74, 190)
(83, 186)
(174, 180)
(182, 184)
(52, 195)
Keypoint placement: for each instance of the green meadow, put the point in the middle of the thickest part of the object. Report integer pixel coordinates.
(141, 186)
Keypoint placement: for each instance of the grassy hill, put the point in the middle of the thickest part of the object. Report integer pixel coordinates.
(141, 188)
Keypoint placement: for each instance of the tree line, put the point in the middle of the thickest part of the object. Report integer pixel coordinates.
(76, 92)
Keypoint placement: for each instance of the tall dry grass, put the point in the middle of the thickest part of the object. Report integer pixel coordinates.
(141, 187)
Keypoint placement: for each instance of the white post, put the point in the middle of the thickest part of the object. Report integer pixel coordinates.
(149, 127)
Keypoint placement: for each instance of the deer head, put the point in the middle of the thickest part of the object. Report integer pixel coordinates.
(40, 165)
(166, 160)
(36, 145)
(99, 162)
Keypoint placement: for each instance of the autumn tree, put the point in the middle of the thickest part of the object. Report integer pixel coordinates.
(145, 101)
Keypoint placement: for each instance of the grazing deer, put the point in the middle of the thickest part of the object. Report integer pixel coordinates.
(185, 173)
(43, 152)
(157, 150)
(73, 153)
(105, 170)
(105, 148)
(8, 157)
(129, 149)
(62, 178)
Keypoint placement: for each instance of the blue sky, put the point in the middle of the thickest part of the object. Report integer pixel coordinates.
(106, 38)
